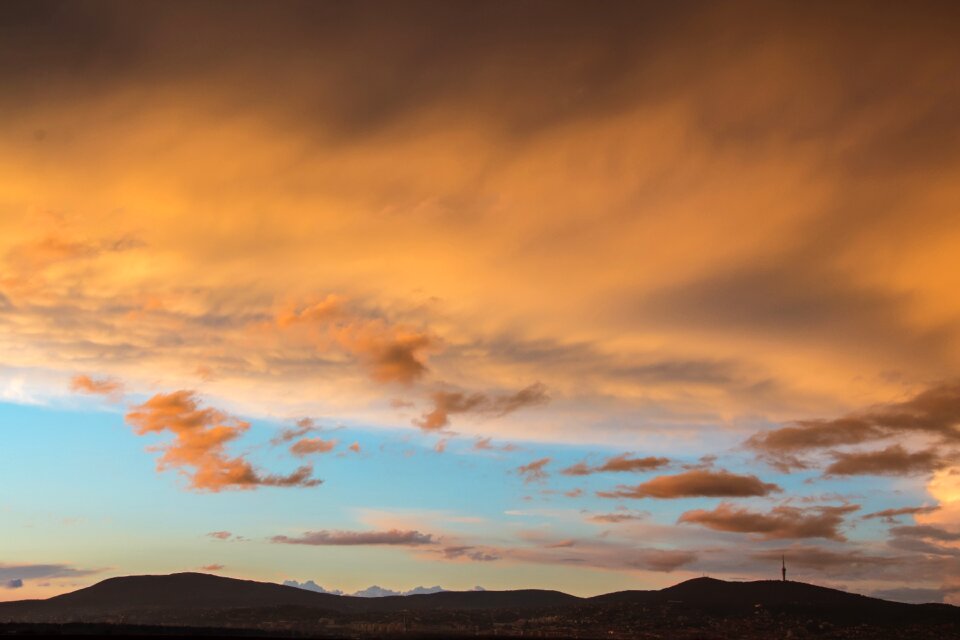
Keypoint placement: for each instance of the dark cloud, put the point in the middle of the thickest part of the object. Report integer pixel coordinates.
(357, 538)
(850, 562)
(534, 471)
(926, 540)
(447, 403)
(698, 483)
(934, 412)
(780, 523)
(926, 531)
(15, 583)
(12, 572)
(892, 461)
(620, 463)
(889, 515)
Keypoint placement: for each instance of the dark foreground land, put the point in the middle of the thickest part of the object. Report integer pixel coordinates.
(198, 605)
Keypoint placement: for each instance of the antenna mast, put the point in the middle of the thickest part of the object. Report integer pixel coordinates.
(783, 567)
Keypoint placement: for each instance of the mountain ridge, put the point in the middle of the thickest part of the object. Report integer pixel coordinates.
(193, 590)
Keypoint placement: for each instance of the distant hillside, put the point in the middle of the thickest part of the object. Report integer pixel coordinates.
(713, 593)
(185, 592)
(194, 599)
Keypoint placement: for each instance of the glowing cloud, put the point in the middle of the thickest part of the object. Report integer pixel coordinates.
(199, 445)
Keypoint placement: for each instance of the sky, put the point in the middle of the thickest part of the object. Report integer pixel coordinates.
(500, 294)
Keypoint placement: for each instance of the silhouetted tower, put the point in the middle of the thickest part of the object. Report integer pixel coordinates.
(783, 567)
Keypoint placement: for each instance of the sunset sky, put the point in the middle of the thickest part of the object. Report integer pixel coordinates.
(587, 297)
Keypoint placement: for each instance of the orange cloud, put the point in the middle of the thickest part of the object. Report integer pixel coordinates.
(103, 386)
(446, 403)
(199, 445)
(693, 484)
(307, 446)
(391, 353)
(620, 463)
(486, 444)
(534, 471)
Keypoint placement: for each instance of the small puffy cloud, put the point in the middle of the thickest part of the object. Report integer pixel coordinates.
(694, 484)
(213, 567)
(97, 386)
(621, 463)
(892, 461)
(780, 523)
(220, 535)
(447, 403)
(302, 427)
(534, 471)
(889, 515)
(307, 446)
(410, 538)
(15, 583)
(200, 436)
(355, 447)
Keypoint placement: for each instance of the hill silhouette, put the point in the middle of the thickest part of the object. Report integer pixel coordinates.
(203, 600)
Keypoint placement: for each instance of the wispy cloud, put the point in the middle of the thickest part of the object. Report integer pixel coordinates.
(395, 537)
(447, 403)
(618, 464)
